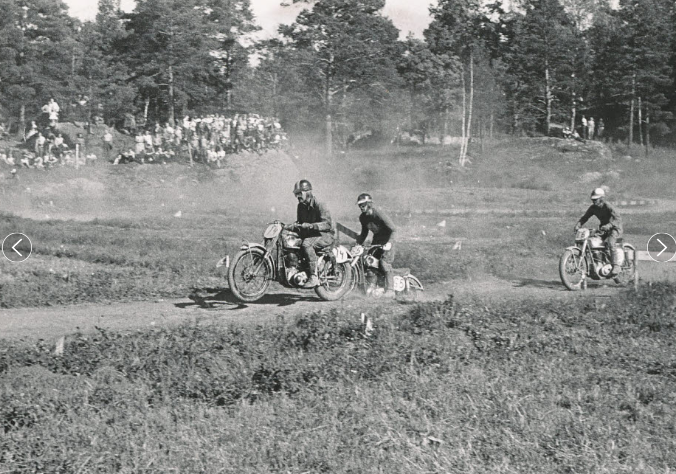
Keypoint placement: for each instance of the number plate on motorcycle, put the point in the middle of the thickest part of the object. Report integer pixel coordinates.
(399, 283)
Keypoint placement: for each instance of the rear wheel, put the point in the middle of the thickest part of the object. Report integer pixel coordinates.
(249, 275)
(573, 269)
(412, 291)
(335, 279)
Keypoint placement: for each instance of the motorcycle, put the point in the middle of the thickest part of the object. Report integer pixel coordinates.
(589, 258)
(366, 260)
(279, 258)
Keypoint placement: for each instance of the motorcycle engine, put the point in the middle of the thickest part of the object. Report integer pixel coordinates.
(298, 278)
(371, 261)
(603, 269)
(294, 275)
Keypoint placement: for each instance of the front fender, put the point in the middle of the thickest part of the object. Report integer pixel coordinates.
(574, 248)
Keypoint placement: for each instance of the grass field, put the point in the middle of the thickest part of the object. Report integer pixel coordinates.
(446, 387)
(513, 385)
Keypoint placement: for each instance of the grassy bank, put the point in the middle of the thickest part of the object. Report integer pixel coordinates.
(522, 387)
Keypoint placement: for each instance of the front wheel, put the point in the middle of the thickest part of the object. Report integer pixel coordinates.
(335, 279)
(573, 269)
(249, 275)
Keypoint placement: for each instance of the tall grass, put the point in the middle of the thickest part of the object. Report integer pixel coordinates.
(521, 387)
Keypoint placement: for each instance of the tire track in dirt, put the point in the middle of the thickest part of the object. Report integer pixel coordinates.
(222, 309)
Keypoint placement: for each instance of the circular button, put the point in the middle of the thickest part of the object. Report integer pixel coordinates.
(17, 247)
(661, 247)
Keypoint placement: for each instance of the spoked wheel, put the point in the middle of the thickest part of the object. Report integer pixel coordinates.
(335, 279)
(249, 275)
(629, 272)
(573, 269)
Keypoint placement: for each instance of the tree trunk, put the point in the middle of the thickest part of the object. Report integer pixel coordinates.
(172, 116)
(573, 111)
(631, 110)
(640, 122)
(647, 133)
(328, 102)
(22, 121)
(145, 111)
(471, 106)
(461, 158)
(548, 99)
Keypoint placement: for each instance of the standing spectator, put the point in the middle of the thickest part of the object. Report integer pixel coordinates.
(585, 130)
(139, 146)
(591, 126)
(148, 142)
(31, 131)
(54, 110)
(40, 145)
(602, 127)
(58, 146)
(107, 144)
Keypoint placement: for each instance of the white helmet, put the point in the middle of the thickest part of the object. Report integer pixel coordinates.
(598, 193)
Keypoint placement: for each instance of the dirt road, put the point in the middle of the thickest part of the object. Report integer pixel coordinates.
(222, 309)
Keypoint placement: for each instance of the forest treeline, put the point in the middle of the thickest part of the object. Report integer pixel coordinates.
(341, 68)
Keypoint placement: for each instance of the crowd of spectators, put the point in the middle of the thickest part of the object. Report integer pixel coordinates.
(207, 139)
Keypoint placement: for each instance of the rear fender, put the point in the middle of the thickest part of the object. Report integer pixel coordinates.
(413, 282)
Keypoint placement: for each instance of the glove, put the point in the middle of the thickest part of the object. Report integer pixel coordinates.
(387, 246)
(605, 228)
(577, 227)
(356, 249)
(306, 226)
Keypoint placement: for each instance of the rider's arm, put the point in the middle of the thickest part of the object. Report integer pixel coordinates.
(389, 224)
(585, 218)
(364, 231)
(325, 224)
(615, 221)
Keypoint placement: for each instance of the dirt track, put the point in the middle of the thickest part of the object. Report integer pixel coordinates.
(221, 308)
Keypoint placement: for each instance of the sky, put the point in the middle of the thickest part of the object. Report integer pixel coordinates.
(407, 15)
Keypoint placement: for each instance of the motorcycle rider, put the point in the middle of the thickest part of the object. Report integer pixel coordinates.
(610, 224)
(314, 225)
(375, 220)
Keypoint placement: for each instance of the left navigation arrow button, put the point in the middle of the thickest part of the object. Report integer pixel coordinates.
(17, 247)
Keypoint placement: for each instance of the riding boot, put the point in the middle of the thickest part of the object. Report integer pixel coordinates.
(371, 283)
(313, 281)
(389, 285)
(613, 261)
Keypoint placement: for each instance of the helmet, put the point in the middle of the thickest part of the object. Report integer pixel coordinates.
(364, 197)
(598, 193)
(302, 186)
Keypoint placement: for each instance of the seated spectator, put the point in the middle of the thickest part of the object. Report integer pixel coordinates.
(123, 158)
(26, 159)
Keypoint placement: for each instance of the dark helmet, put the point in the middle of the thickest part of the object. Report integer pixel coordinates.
(302, 186)
(363, 198)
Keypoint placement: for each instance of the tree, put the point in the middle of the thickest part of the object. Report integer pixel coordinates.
(543, 41)
(351, 55)
(632, 65)
(35, 63)
(182, 52)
